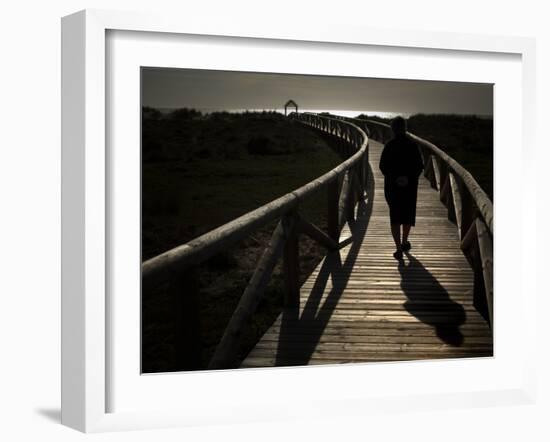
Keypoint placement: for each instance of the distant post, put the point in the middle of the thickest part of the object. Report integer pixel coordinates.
(291, 103)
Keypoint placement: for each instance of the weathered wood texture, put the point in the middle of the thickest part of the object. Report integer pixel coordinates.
(353, 143)
(360, 305)
(467, 205)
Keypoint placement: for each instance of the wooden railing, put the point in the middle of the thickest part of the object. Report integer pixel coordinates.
(345, 185)
(467, 204)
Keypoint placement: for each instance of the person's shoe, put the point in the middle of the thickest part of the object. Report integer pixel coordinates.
(406, 246)
(398, 255)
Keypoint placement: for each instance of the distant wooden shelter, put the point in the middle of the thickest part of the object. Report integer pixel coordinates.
(291, 103)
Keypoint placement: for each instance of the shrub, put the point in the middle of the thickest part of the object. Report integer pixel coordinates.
(151, 113)
(185, 114)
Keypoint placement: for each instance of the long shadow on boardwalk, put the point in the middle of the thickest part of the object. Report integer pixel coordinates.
(430, 302)
(315, 315)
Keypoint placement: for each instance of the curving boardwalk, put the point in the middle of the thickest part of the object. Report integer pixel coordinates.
(360, 305)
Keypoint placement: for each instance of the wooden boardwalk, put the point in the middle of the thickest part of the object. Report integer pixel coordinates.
(361, 305)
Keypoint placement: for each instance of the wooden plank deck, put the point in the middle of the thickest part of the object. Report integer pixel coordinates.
(361, 305)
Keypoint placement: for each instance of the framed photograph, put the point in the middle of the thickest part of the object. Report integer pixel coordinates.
(271, 223)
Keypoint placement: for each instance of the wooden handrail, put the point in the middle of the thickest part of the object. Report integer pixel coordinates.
(468, 205)
(482, 201)
(353, 142)
(200, 249)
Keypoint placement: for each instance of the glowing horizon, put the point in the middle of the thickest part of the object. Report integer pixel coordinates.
(341, 112)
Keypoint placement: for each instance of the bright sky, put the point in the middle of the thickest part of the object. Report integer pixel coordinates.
(226, 90)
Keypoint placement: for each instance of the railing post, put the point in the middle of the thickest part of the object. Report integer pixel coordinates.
(444, 192)
(343, 200)
(333, 193)
(291, 263)
(350, 197)
(366, 168)
(479, 299)
(184, 291)
(360, 178)
(428, 169)
(226, 351)
(480, 258)
(457, 203)
(468, 210)
(485, 244)
(437, 175)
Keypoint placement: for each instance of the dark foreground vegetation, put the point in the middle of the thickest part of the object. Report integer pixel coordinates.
(201, 171)
(466, 138)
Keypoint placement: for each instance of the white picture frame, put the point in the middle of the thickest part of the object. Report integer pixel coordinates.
(86, 350)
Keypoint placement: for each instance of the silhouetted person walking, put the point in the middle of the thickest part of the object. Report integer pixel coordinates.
(401, 165)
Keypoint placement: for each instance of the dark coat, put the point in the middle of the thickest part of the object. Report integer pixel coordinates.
(401, 157)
